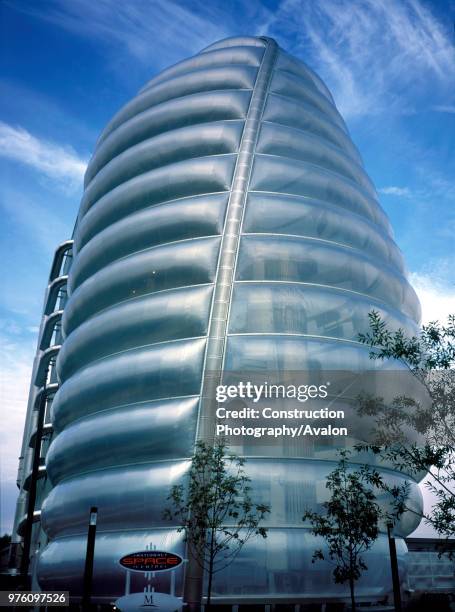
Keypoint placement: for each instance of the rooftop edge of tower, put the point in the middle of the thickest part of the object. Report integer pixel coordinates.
(238, 41)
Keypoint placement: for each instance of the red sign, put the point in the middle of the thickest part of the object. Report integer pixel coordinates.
(151, 561)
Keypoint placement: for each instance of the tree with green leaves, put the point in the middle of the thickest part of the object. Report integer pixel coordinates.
(215, 509)
(350, 521)
(430, 357)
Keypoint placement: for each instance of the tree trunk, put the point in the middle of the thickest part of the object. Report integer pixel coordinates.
(194, 581)
(351, 588)
(209, 586)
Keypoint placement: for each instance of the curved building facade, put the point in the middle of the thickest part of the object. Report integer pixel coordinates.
(227, 224)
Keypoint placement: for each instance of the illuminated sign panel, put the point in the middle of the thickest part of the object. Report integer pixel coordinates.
(151, 561)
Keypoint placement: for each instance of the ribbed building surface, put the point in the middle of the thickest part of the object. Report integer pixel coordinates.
(227, 223)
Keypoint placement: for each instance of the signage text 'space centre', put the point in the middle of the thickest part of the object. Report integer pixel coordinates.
(151, 561)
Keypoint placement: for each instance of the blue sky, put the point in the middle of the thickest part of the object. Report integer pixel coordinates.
(68, 65)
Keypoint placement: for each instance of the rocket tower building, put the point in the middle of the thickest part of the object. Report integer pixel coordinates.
(227, 223)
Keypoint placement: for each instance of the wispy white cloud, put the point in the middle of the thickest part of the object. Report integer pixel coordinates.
(149, 31)
(444, 108)
(41, 225)
(369, 51)
(433, 171)
(436, 295)
(17, 361)
(392, 190)
(53, 160)
(16, 358)
(428, 169)
(41, 112)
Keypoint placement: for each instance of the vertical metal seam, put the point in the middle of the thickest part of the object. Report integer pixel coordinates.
(227, 260)
(265, 93)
